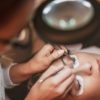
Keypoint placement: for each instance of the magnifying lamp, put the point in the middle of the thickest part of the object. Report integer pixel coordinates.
(67, 21)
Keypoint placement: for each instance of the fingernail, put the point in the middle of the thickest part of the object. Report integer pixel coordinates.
(60, 52)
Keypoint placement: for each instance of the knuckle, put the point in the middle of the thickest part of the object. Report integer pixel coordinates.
(46, 63)
(54, 83)
(48, 46)
(53, 56)
(56, 54)
(58, 92)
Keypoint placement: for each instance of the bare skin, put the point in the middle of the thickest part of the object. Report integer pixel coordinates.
(40, 62)
(91, 81)
(90, 75)
(64, 78)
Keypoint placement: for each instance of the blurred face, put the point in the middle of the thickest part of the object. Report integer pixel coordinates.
(15, 20)
(7, 32)
(90, 80)
(86, 86)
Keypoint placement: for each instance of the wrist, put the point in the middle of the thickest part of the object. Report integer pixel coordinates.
(19, 73)
(31, 97)
(7, 79)
(34, 66)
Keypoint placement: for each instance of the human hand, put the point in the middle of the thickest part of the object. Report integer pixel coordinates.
(44, 58)
(40, 62)
(53, 86)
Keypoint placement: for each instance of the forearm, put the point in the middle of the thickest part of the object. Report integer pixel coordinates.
(20, 72)
(38, 63)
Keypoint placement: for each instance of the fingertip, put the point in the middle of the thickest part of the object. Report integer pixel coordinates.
(56, 54)
(60, 52)
(49, 46)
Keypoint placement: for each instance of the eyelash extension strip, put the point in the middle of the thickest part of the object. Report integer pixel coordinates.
(80, 79)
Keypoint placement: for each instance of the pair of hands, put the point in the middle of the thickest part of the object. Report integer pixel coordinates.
(54, 86)
(40, 62)
(60, 83)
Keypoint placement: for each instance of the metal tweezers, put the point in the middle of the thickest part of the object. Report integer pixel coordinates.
(66, 52)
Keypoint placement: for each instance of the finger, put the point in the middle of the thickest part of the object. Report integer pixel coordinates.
(50, 71)
(55, 55)
(57, 47)
(67, 90)
(64, 48)
(65, 85)
(61, 76)
(68, 61)
(46, 50)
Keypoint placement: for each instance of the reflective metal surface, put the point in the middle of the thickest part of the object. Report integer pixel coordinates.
(68, 14)
(67, 21)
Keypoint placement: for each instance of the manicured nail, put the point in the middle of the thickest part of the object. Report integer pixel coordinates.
(60, 52)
